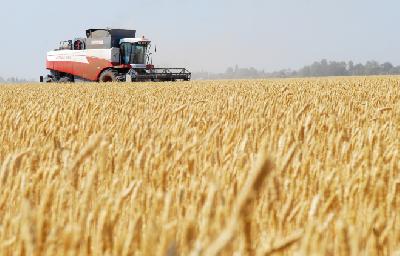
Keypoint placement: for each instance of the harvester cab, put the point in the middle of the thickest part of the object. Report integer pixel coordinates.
(108, 55)
(135, 51)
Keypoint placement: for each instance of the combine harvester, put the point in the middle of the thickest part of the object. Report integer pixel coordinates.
(107, 55)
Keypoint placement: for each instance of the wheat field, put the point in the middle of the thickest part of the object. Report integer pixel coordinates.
(258, 167)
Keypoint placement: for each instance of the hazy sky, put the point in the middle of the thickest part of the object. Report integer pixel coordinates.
(208, 34)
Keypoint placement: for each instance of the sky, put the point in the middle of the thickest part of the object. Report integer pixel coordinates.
(208, 35)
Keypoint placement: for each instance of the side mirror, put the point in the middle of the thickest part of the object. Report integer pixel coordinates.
(149, 57)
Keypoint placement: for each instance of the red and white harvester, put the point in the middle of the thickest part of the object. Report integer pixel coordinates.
(107, 55)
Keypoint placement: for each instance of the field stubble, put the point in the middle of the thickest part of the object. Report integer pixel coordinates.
(306, 166)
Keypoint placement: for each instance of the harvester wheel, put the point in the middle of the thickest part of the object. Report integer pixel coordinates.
(108, 76)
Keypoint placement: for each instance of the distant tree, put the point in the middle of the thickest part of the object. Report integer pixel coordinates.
(252, 72)
(305, 71)
(229, 71)
(337, 69)
(318, 68)
(386, 68)
(395, 70)
(323, 68)
(236, 69)
(358, 70)
(1, 80)
(350, 67)
(372, 68)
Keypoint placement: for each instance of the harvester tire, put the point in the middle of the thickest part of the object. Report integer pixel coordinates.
(108, 76)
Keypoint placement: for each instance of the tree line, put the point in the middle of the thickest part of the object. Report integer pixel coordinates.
(317, 69)
(14, 80)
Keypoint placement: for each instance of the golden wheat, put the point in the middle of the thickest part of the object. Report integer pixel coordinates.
(261, 167)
